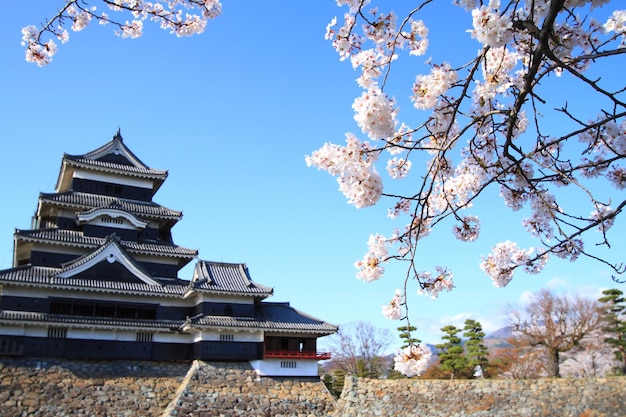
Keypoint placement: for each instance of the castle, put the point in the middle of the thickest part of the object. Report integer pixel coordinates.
(96, 277)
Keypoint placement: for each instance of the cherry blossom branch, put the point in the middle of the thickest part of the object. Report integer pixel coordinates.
(168, 13)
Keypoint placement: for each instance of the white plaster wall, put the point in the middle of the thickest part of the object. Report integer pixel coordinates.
(217, 298)
(172, 338)
(238, 336)
(271, 367)
(90, 334)
(117, 179)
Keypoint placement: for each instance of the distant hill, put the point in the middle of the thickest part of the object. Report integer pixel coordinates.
(499, 338)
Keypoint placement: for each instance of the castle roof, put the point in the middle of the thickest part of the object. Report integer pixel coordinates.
(213, 277)
(61, 320)
(231, 279)
(76, 238)
(279, 317)
(113, 157)
(85, 201)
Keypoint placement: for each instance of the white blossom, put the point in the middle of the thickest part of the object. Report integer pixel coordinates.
(412, 360)
(393, 310)
(369, 267)
(432, 285)
(428, 88)
(375, 114)
(491, 28)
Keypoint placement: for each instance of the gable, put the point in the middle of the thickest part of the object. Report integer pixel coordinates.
(110, 262)
(111, 217)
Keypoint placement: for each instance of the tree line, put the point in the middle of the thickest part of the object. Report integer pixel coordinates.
(552, 336)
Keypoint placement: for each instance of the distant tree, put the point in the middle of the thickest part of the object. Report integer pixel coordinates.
(451, 356)
(358, 349)
(592, 357)
(555, 324)
(614, 309)
(405, 335)
(335, 382)
(476, 351)
(434, 371)
(393, 374)
(517, 361)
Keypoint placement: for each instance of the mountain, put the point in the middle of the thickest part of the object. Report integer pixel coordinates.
(499, 338)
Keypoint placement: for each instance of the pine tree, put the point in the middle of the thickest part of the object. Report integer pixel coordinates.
(476, 350)
(405, 335)
(615, 324)
(451, 356)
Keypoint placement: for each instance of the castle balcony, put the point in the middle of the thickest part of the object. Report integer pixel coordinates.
(290, 354)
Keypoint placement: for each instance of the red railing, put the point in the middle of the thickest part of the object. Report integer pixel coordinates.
(320, 356)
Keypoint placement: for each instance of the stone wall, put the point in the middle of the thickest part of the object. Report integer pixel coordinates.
(51, 387)
(593, 397)
(56, 388)
(234, 389)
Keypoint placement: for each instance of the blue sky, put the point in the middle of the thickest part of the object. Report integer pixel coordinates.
(231, 114)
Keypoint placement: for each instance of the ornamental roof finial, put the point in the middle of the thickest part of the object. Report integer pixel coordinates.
(118, 135)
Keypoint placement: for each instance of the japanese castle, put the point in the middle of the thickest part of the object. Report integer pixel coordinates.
(96, 277)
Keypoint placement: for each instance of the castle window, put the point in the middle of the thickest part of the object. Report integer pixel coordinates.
(228, 310)
(144, 337)
(126, 312)
(60, 307)
(146, 313)
(227, 337)
(288, 364)
(104, 310)
(83, 309)
(57, 333)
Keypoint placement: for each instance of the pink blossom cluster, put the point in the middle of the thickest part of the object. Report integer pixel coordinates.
(370, 267)
(393, 310)
(491, 27)
(398, 167)
(353, 164)
(617, 23)
(374, 113)
(433, 284)
(38, 52)
(413, 360)
(505, 257)
(467, 229)
(428, 88)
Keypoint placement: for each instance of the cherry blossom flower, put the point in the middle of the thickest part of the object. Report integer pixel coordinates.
(468, 230)
(491, 28)
(393, 310)
(432, 285)
(375, 114)
(428, 88)
(617, 23)
(401, 206)
(412, 360)
(569, 249)
(617, 176)
(369, 267)
(354, 165)
(398, 167)
(505, 258)
(603, 213)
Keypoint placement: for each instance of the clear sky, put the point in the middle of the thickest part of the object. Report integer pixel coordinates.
(231, 114)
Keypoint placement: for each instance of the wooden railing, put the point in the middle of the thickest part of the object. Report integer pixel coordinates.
(320, 356)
